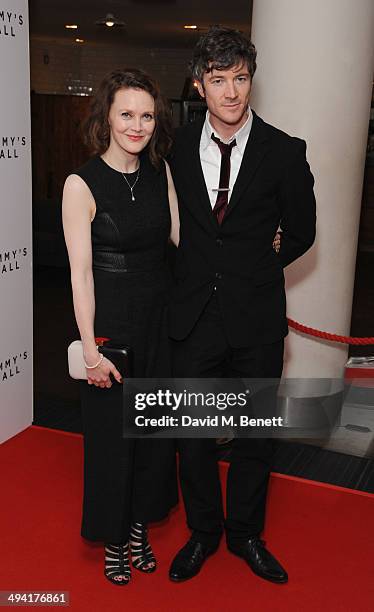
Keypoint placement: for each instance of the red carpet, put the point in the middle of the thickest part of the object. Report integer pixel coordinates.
(324, 535)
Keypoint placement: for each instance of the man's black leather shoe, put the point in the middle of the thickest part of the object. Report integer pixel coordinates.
(189, 560)
(259, 559)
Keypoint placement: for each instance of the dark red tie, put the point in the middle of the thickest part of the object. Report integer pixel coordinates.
(220, 206)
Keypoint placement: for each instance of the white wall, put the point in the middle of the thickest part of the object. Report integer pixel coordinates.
(314, 80)
(15, 226)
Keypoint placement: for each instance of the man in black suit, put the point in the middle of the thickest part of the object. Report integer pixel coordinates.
(237, 179)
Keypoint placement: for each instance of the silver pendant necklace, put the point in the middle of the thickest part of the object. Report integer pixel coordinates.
(131, 187)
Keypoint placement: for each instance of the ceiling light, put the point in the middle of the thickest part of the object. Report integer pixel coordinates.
(72, 26)
(110, 21)
(79, 40)
(190, 27)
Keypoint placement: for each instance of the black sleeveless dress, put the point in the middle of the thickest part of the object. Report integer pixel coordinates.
(127, 480)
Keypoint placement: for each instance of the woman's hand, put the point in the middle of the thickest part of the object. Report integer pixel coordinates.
(277, 241)
(100, 376)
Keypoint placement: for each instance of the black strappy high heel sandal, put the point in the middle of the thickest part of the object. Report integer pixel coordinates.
(117, 567)
(141, 551)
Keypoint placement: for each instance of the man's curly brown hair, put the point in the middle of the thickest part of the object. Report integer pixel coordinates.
(222, 48)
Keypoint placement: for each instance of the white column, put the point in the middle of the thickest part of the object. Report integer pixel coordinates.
(314, 80)
(15, 225)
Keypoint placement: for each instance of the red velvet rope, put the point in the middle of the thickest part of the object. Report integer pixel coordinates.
(310, 331)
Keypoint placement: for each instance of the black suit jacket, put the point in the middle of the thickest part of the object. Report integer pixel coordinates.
(274, 186)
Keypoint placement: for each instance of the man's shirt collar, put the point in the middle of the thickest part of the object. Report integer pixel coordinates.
(241, 135)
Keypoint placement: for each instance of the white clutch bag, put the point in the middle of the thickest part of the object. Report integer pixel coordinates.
(77, 369)
(119, 356)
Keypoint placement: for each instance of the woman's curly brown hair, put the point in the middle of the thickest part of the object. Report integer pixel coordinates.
(96, 129)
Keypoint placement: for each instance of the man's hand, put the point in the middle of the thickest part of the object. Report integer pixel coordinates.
(277, 241)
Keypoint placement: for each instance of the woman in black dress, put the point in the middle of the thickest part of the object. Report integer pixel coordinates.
(119, 211)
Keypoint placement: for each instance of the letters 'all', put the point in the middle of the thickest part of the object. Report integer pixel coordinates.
(6, 31)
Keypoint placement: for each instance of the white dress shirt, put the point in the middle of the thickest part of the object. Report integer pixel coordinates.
(210, 155)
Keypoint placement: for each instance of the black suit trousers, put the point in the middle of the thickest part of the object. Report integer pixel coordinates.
(207, 353)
